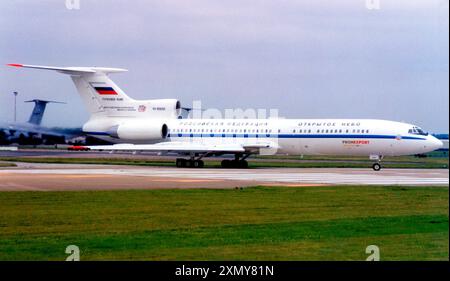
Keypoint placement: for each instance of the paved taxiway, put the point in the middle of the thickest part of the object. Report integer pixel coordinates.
(34, 176)
(150, 156)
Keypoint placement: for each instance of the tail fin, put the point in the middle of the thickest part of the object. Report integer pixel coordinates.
(99, 93)
(38, 110)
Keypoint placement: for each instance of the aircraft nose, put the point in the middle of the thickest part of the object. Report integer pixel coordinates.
(434, 143)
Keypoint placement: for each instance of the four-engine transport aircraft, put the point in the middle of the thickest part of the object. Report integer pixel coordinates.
(153, 125)
(32, 130)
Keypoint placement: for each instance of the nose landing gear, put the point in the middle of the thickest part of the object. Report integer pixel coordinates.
(376, 166)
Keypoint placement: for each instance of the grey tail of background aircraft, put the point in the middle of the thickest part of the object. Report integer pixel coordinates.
(38, 110)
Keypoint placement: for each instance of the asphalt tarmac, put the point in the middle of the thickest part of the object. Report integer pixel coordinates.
(52, 177)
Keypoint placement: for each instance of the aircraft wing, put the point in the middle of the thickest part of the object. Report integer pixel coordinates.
(185, 147)
(17, 128)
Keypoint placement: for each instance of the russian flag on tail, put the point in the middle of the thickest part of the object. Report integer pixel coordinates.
(105, 91)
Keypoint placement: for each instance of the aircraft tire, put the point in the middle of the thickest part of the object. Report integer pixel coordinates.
(180, 162)
(376, 166)
(197, 164)
(225, 163)
(235, 164)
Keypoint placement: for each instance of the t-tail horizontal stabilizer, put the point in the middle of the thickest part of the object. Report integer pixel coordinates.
(71, 70)
(38, 111)
(100, 94)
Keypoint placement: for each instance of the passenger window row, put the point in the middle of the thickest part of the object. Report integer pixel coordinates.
(265, 130)
(203, 130)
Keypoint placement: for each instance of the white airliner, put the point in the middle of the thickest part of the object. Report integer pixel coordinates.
(154, 125)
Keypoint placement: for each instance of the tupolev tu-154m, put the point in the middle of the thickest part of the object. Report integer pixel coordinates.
(153, 125)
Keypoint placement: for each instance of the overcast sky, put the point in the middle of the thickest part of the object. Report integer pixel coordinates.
(308, 59)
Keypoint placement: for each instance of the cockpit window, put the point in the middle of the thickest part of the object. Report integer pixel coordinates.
(417, 131)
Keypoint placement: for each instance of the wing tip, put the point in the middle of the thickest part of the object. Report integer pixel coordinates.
(15, 64)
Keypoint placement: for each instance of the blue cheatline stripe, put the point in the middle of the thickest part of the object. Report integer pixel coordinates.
(281, 136)
(293, 136)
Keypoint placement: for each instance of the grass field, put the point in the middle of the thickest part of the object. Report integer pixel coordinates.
(7, 164)
(260, 223)
(273, 161)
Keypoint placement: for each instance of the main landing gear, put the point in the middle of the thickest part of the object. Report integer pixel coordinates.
(192, 162)
(189, 163)
(238, 162)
